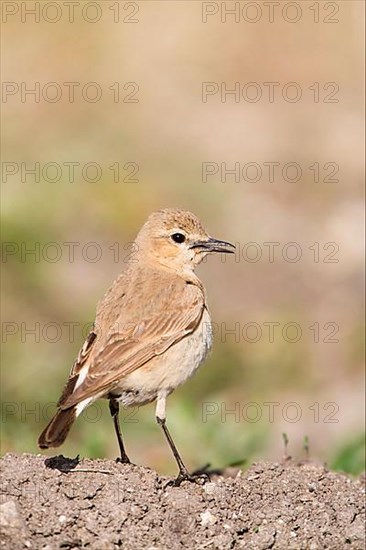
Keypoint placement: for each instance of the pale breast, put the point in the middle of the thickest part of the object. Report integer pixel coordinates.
(169, 370)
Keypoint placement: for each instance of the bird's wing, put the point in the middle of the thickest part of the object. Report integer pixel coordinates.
(134, 344)
(77, 367)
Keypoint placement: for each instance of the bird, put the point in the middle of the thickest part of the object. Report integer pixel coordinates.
(152, 330)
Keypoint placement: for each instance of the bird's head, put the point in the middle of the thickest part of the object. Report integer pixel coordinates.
(177, 240)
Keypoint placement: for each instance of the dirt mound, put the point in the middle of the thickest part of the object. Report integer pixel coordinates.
(99, 504)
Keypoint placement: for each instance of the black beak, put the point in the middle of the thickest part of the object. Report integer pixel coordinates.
(214, 245)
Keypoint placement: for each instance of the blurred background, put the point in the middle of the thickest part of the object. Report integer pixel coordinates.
(121, 122)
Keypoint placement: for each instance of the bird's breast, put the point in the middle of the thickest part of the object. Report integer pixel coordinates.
(169, 370)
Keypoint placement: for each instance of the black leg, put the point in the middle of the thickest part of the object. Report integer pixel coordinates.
(183, 475)
(182, 469)
(114, 410)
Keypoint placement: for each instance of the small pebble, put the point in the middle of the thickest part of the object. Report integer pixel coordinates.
(207, 518)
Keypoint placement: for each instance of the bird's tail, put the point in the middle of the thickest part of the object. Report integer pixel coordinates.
(57, 429)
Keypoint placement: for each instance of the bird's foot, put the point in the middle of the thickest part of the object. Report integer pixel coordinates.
(123, 460)
(200, 478)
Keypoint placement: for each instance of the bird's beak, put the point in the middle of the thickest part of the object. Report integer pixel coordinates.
(214, 245)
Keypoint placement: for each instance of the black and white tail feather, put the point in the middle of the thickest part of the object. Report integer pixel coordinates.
(58, 428)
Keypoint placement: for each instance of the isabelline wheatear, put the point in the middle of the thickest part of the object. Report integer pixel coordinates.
(152, 329)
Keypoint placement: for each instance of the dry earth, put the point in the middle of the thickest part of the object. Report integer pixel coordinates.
(99, 504)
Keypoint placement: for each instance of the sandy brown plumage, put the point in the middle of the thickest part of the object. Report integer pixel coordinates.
(152, 328)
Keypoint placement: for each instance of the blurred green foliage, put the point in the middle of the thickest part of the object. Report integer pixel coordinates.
(350, 457)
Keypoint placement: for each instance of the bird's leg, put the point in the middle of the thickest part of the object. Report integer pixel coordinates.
(114, 410)
(183, 474)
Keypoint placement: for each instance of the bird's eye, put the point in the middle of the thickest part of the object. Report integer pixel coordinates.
(178, 237)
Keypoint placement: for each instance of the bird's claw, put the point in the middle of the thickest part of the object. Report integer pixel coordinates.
(123, 460)
(200, 478)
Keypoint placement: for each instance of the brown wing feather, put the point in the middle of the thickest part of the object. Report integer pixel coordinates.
(126, 351)
(76, 368)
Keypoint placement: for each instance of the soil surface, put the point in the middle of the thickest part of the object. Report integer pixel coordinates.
(51, 503)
